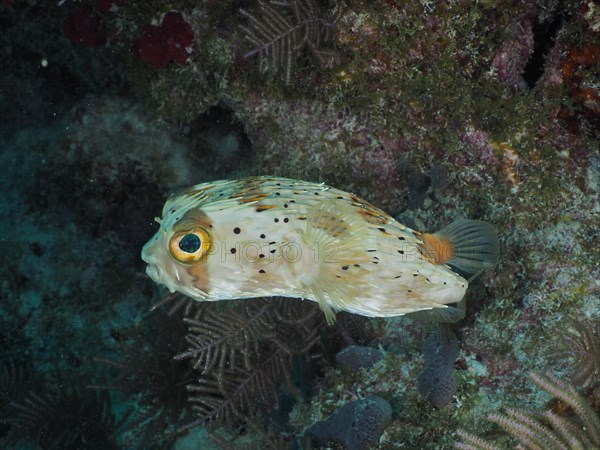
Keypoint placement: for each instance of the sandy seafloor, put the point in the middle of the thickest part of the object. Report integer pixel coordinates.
(433, 111)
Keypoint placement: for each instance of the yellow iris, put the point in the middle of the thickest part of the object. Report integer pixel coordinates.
(190, 246)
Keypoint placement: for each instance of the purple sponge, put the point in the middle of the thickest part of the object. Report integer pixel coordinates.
(436, 382)
(356, 426)
(357, 357)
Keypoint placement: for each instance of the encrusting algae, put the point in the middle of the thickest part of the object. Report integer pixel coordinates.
(269, 236)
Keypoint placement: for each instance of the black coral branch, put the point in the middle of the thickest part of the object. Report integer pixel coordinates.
(225, 334)
(238, 392)
(244, 352)
(581, 347)
(284, 29)
(68, 417)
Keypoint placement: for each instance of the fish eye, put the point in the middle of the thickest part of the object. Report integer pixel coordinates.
(189, 246)
(190, 243)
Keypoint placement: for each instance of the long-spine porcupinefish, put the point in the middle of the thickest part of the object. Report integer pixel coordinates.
(269, 236)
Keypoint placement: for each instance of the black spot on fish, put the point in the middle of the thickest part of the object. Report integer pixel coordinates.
(286, 220)
(344, 267)
(381, 229)
(236, 230)
(401, 252)
(285, 205)
(371, 250)
(401, 238)
(233, 250)
(262, 236)
(276, 220)
(261, 271)
(261, 256)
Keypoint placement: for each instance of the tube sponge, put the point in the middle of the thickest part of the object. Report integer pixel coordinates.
(436, 382)
(356, 426)
(357, 357)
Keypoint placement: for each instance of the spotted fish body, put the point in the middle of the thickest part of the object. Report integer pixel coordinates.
(268, 236)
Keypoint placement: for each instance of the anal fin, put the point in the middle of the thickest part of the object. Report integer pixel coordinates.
(442, 314)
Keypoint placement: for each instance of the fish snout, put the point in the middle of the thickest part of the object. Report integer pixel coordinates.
(153, 271)
(146, 253)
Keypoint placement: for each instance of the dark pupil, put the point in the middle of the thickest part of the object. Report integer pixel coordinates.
(190, 243)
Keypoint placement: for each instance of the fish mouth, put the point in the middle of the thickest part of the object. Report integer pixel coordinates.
(149, 249)
(153, 272)
(146, 253)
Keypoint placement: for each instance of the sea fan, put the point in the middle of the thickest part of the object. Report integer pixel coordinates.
(545, 429)
(66, 417)
(148, 372)
(244, 352)
(581, 347)
(283, 30)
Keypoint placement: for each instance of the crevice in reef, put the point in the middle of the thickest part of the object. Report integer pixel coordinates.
(544, 36)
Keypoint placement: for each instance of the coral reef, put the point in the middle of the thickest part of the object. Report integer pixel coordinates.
(278, 39)
(547, 430)
(433, 111)
(570, 419)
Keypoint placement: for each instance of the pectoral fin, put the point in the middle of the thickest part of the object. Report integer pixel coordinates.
(339, 234)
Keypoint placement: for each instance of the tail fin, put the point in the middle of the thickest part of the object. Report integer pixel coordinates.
(471, 246)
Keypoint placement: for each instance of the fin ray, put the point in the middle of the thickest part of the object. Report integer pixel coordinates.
(474, 245)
